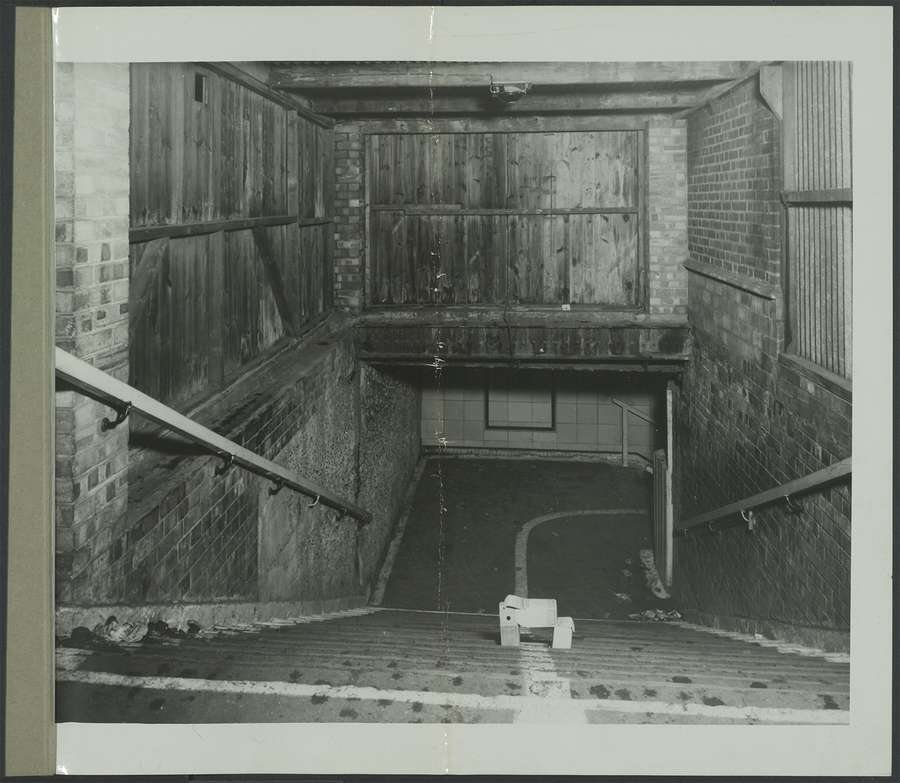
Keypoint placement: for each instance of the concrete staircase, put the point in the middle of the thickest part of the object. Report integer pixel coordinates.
(387, 665)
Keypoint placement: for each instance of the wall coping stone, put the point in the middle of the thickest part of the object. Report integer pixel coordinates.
(838, 386)
(207, 615)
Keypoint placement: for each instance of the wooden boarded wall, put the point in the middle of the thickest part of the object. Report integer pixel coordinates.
(521, 218)
(231, 228)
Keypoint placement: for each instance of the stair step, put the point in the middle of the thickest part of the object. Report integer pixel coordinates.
(384, 651)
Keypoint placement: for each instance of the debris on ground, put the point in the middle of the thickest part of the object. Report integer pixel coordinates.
(160, 630)
(119, 633)
(112, 633)
(651, 575)
(657, 615)
(623, 597)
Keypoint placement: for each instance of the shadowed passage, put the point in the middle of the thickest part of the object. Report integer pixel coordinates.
(472, 523)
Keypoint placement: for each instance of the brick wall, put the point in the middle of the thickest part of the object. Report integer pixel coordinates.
(735, 179)
(156, 524)
(667, 212)
(349, 215)
(667, 207)
(749, 418)
(92, 196)
(192, 536)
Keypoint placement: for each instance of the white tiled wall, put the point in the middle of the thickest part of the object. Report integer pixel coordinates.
(514, 407)
(586, 419)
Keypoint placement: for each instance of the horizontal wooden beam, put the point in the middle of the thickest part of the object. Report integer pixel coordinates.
(343, 75)
(452, 209)
(671, 368)
(115, 393)
(533, 103)
(286, 100)
(577, 316)
(756, 287)
(813, 481)
(716, 91)
(175, 231)
(550, 341)
(834, 196)
(511, 124)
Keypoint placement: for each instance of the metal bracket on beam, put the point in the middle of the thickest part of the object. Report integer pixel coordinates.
(314, 503)
(795, 507)
(276, 487)
(227, 462)
(750, 519)
(121, 415)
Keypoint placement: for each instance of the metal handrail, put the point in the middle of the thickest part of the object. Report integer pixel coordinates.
(626, 409)
(635, 411)
(785, 492)
(124, 399)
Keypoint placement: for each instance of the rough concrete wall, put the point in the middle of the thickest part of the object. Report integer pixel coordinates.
(310, 553)
(389, 450)
(749, 418)
(92, 195)
(360, 438)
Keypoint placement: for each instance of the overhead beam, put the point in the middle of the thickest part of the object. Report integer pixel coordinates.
(343, 75)
(247, 78)
(425, 105)
(720, 89)
(516, 123)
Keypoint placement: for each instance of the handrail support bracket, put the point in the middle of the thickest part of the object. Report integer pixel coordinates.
(794, 506)
(750, 518)
(121, 414)
(227, 462)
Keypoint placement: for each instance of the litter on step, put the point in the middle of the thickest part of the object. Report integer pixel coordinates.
(517, 613)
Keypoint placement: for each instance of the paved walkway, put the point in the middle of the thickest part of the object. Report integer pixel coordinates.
(458, 551)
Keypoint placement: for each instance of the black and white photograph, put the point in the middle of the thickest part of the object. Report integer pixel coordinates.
(453, 392)
(480, 392)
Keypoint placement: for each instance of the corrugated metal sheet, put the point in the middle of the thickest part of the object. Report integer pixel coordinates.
(822, 116)
(818, 178)
(820, 249)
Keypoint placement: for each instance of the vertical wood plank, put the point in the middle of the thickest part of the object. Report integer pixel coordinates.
(216, 316)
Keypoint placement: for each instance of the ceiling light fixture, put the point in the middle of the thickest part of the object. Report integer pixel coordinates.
(508, 92)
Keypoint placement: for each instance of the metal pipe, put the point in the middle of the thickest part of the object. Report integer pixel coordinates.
(808, 483)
